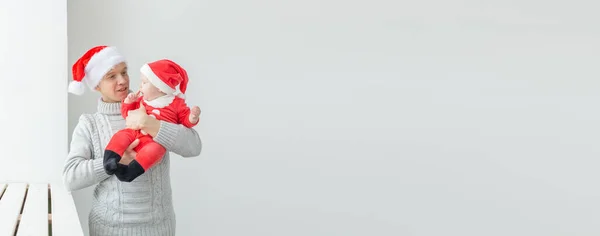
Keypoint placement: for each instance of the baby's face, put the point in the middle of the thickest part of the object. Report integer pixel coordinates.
(148, 90)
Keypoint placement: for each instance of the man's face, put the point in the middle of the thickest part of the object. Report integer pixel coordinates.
(114, 86)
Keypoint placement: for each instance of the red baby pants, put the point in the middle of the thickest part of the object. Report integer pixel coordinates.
(148, 151)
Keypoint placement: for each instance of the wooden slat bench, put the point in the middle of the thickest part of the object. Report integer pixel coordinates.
(37, 209)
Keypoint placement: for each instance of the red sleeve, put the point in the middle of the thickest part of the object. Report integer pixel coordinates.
(125, 108)
(183, 114)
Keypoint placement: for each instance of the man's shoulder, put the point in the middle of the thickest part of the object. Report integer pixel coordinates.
(90, 116)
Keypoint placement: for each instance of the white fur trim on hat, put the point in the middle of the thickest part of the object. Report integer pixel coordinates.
(100, 64)
(76, 87)
(157, 82)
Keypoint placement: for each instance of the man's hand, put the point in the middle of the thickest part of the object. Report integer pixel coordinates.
(136, 119)
(129, 154)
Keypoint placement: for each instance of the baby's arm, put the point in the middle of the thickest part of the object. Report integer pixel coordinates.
(132, 102)
(188, 117)
(194, 116)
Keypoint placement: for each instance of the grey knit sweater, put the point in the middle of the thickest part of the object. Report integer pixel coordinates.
(141, 207)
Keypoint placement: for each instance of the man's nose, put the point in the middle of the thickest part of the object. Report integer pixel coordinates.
(122, 80)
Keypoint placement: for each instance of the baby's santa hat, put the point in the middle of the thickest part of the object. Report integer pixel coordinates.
(166, 75)
(92, 66)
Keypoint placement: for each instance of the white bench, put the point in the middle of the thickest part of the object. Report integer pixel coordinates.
(37, 209)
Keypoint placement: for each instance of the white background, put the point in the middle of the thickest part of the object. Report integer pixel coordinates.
(33, 95)
(344, 117)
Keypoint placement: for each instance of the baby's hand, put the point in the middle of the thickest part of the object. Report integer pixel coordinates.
(132, 97)
(195, 115)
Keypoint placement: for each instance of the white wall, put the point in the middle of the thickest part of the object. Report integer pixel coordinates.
(33, 101)
(373, 117)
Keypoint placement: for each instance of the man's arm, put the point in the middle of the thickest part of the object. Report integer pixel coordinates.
(175, 138)
(81, 170)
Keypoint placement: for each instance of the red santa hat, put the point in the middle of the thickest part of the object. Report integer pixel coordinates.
(92, 66)
(166, 75)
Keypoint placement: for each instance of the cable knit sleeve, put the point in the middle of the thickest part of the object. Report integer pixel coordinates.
(81, 169)
(178, 139)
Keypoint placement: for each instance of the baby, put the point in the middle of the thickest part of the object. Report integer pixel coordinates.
(157, 95)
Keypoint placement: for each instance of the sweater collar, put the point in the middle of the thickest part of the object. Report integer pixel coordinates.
(109, 108)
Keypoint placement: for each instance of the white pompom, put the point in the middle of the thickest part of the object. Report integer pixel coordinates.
(76, 87)
(181, 95)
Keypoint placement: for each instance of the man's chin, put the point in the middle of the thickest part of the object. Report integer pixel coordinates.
(121, 94)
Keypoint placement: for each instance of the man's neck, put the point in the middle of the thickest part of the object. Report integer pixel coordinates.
(108, 100)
